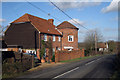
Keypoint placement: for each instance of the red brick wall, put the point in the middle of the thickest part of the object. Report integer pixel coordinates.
(66, 32)
(68, 55)
(55, 43)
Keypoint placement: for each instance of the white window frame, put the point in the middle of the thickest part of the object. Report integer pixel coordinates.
(53, 37)
(72, 38)
(59, 38)
(53, 51)
(59, 49)
(45, 37)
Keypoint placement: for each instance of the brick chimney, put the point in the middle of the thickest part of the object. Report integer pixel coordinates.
(51, 20)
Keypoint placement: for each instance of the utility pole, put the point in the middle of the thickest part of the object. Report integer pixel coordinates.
(95, 43)
(39, 54)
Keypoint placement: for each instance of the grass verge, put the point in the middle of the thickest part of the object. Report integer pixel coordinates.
(116, 74)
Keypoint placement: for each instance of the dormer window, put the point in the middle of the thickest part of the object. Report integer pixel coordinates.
(70, 38)
(45, 37)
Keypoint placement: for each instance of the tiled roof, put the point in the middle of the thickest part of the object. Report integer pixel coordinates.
(101, 45)
(44, 26)
(66, 24)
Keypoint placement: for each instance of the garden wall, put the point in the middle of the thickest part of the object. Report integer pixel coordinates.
(15, 62)
(68, 55)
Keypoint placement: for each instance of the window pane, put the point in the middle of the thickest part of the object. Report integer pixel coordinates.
(59, 38)
(53, 37)
(45, 37)
(70, 38)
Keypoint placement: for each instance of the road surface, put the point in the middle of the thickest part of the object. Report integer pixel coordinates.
(95, 67)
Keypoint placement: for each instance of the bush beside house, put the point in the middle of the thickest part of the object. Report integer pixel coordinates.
(16, 63)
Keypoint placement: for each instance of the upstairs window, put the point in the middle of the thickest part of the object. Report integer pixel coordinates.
(53, 37)
(57, 48)
(45, 37)
(59, 38)
(70, 38)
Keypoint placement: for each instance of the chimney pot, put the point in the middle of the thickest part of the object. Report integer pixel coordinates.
(51, 21)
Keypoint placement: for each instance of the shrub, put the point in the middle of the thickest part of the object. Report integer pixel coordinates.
(9, 69)
(53, 58)
(87, 53)
(12, 68)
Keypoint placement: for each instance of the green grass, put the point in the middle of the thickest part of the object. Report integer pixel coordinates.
(116, 74)
(77, 59)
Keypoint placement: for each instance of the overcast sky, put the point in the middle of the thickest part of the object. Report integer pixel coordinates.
(102, 16)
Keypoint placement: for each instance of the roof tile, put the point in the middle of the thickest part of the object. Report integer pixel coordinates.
(44, 26)
(66, 24)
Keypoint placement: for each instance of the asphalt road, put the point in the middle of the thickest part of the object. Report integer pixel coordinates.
(95, 67)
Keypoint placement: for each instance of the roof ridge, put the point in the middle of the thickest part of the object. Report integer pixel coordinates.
(71, 24)
(27, 16)
(21, 17)
(66, 22)
(38, 18)
(35, 17)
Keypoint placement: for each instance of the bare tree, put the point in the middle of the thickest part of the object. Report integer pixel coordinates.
(2, 29)
(91, 37)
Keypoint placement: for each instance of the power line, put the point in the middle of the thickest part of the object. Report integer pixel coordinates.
(53, 16)
(43, 11)
(3, 28)
(67, 15)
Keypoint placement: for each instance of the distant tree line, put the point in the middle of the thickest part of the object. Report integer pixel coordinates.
(89, 43)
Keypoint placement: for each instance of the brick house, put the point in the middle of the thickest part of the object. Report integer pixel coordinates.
(28, 31)
(70, 35)
(103, 46)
